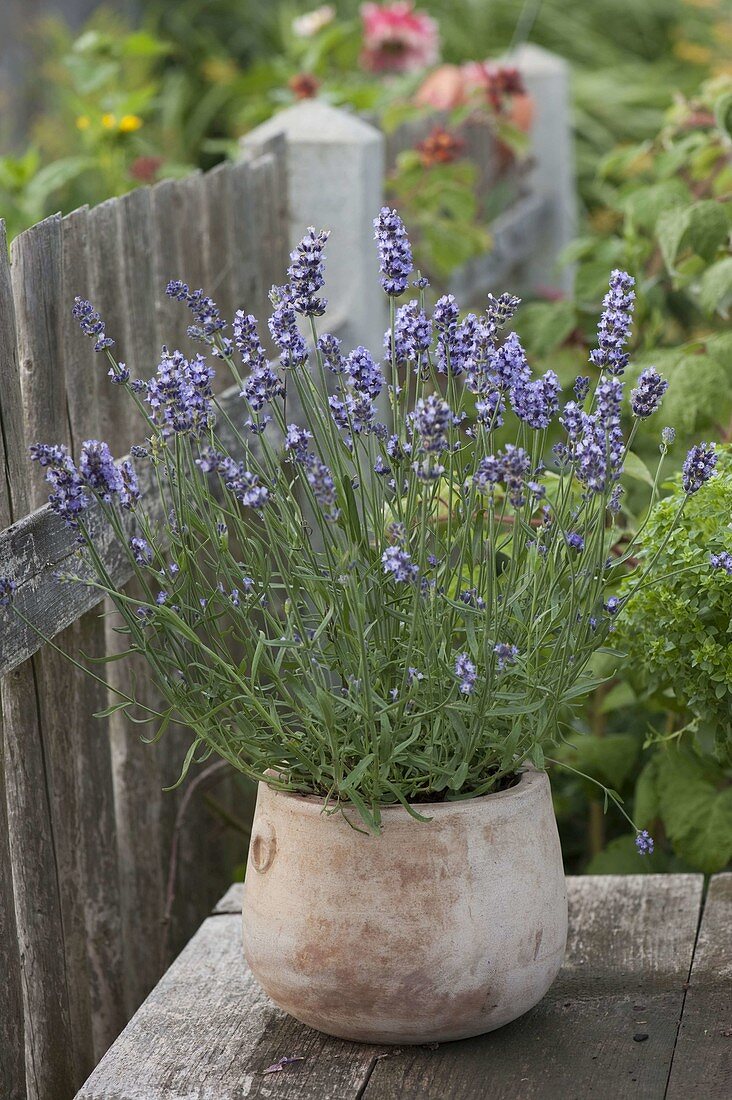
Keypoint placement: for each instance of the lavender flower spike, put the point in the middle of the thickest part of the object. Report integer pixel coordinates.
(7, 590)
(466, 673)
(395, 252)
(506, 655)
(646, 398)
(722, 561)
(613, 330)
(91, 323)
(699, 466)
(306, 273)
(399, 563)
(644, 843)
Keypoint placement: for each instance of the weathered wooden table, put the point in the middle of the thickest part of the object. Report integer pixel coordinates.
(642, 1008)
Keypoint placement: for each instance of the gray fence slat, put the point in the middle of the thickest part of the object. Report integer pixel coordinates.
(37, 276)
(90, 737)
(171, 318)
(12, 1064)
(39, 908)
(137, 785)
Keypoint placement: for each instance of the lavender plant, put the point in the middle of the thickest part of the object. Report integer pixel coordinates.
(354, 584)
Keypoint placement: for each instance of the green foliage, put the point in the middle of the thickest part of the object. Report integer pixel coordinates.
(441, 201)
(691, 797)
(676, 631)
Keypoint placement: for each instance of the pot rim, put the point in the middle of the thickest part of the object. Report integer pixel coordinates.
(531, 779)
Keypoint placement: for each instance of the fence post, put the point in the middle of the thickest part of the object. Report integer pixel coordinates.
(546, 77)
(335, 176)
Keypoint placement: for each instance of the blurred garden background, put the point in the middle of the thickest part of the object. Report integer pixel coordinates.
(96, 100)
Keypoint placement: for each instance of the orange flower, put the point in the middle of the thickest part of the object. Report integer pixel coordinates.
(440, 147)
(303, 86)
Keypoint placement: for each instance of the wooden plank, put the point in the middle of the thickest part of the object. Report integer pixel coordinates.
(607, 1027)
(702, 1065)
(12, 1024)
(116, 238)
(43, 914)
(84, 374)
(207, 1030)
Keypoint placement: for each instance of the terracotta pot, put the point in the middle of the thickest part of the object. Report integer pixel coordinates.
(428, 932)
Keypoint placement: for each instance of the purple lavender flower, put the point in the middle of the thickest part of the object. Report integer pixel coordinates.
(414, 676)
(412, 334)
(466, 673)
(118, 374)
(321, 482)
(396, 450)
(590, 456)
(722, 561)
(500, 310)
(613, 330)
(162, 597)
(699, 466)
(261, 387)
(129, 492)
(204, 309)
(510, 467)
(91, 323)
(330, 348)
(244, 485)
(455, 342)
(180, 394)
(141, 551)
(608, 399)
(581, 388)
(509, 365)
(613, 505)
(644, 843)
(398, 562)
(573, 420)
(98, 471)
(431, 420)
(306, 273)
(575, 541)
(470, 598)
(395, 253)
(8, 588)
(506, 655)
(536, 402)
(363, 373)
(646, 397)
(69, 498)
(668, 435)
(612, 605)
(490, 409)
(285, 333)
(297, 440)
(246, 338)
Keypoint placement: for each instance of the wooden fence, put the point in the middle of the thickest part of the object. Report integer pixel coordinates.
(85, 829)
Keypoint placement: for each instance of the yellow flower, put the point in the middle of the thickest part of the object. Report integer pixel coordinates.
(693, 52)
(83, 122)
(129, 123)
(109, 121)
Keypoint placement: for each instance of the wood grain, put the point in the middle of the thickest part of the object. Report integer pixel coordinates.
(208, 1031)
(46, 919)
(702, 1065)
(12, 1024)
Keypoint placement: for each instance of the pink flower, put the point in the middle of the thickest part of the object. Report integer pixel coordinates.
(398, 39)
